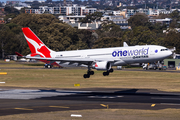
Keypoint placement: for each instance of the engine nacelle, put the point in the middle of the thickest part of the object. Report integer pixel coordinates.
(104, 65)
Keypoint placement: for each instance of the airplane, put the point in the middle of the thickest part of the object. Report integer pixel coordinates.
(100, 59)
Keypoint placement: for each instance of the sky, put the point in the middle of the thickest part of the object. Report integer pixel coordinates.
(21, 0)
(11, 0)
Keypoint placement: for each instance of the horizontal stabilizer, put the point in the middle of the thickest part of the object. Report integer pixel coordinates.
(18, 54)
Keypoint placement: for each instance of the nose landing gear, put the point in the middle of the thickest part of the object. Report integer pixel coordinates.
(47, 66)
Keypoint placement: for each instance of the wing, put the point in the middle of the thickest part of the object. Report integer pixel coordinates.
(71, 59)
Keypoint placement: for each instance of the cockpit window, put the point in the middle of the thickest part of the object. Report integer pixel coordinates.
(164, 49)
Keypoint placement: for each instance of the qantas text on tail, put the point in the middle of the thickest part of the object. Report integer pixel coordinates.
(99, 59)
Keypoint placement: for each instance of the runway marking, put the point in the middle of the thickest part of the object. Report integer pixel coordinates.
(2, 82)
(76, 85)
(108, 97)
(59, 106)
(76, 115)
(3, 73)
(22, 109)
(166, 98)
(105, 106)
(153, 105)
(169, 104)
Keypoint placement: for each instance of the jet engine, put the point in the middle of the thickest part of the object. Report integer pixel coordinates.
(104, 65)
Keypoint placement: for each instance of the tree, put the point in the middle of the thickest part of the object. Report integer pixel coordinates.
(59, 36)
(140, 36)
(175, 14)
(11, 10)
(163, 16)
(106, 42)
(109, 29)
(138, 20)
(35, 21)
(86, 39)
(23, 10)
(9, 41)
(3, 28)
(11, 13)
(171, 40)
(92, 17)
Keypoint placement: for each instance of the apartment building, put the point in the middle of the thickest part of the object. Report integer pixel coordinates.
(63, 10)
(71, 19)
(165, 21)
(119, 20)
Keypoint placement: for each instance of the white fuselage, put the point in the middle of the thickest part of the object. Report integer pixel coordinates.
(119, 55)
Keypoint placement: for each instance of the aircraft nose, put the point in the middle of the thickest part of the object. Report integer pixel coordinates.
(170, 53)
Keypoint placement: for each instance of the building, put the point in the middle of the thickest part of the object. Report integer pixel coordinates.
(2, 15)
(130, 12)
(71, 19)
(156, 12)
(63, 10)
(87, 26)
(119, 20)
(165, 21)
(172, 63)
(2, 21)
(12, 2)
(171, 29)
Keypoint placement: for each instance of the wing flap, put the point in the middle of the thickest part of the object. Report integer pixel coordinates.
(69, 59)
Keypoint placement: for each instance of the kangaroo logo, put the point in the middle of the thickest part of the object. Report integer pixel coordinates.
(38, 48)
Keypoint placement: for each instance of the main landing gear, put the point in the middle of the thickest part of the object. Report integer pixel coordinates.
(107, 72)
(48, 66)
(88, 74)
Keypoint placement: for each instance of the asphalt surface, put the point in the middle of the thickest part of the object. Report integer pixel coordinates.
(18, 100)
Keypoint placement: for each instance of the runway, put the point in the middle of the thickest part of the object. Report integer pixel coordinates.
(19, 100)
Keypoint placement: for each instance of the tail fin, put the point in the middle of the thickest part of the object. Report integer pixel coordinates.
(35, 44)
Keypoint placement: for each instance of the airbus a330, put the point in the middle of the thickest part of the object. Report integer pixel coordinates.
(99, 59)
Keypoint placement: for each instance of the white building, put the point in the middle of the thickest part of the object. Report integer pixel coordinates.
(63, 10)
(165, 21)
(71, 19)
(119, 20)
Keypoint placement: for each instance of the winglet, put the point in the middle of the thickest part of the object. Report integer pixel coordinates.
(125, 44)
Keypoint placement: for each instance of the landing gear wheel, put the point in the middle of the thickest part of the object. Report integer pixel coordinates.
(46, 66)
(105, 73)
(90, 72)
(111, 70)
(86, 75)
(49, 66)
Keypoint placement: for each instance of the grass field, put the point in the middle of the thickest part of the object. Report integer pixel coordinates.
(66, 78)
(101, 114)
